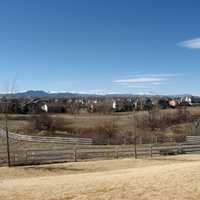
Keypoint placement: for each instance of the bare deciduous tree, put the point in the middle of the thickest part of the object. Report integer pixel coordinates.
(110, 129)
(136, 123)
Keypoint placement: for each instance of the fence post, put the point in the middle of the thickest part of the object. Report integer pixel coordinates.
(14, 159)
(116, 153)
(135, 148)
(156, 139)
(151, 150)
(75, 155)
(140, 139)
(26, 157)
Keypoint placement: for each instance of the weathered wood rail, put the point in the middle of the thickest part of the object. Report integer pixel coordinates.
(193, 139)
(34, 156)
(60, 140)
(26, 150)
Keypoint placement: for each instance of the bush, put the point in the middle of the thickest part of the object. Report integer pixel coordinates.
(105, 133)
(45, 122)
(155, 120)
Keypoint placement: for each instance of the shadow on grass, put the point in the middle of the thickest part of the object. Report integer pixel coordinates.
(173, 158)
(52, 169)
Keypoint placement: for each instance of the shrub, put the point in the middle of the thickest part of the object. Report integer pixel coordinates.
(45, 122)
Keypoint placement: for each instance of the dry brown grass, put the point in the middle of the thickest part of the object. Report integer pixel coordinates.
(88, 120)
(175, 177)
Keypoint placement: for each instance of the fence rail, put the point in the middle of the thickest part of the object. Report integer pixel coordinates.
(26, 157)
(60, 140)
(193, 139)
(23, 153)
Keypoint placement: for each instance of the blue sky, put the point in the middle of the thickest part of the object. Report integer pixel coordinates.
(101, 46)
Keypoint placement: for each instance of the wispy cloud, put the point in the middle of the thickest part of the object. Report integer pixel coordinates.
(95, 92)
(158, 83)
(136, 86)
(191, 44)
(144, 80)
(139, 80)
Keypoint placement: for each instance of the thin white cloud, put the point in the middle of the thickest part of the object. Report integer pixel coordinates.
(145, 80)
(191, 44)
(158, 83)
(95, 92)
(136, 86)
(140, 80)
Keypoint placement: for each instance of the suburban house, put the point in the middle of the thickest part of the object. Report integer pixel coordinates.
(35, 106)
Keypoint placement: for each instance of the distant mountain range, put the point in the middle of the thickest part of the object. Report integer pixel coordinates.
(41, 93)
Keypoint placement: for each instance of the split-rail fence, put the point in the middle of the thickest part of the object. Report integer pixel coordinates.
(32, 151)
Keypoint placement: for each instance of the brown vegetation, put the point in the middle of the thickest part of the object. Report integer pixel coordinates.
(170, 178)
(118, 128)
(45, 122)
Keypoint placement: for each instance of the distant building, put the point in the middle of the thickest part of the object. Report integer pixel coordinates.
(35, 106)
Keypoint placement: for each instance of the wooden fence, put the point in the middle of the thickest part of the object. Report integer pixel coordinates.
(35, 156)
(193, 139)
(60, 140)
(26, 150)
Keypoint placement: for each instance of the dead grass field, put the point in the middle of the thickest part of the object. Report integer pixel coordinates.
(163, 178)
(20, 123)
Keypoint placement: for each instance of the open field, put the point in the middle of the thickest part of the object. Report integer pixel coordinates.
(176, 177)
(39, 152)
(21, 123)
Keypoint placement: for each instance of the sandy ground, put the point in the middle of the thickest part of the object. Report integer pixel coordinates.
(176, 177)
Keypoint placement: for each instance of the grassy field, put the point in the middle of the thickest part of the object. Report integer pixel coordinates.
(176, 177)
(21, 123)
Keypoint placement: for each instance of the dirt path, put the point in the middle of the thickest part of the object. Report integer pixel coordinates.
(171, 181)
